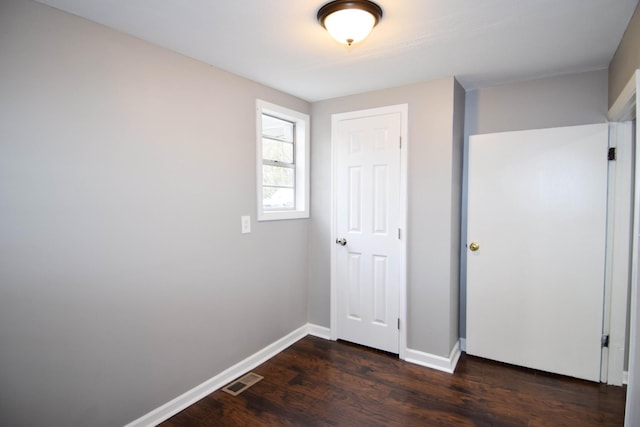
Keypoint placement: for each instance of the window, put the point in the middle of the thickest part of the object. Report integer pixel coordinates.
(282, 162)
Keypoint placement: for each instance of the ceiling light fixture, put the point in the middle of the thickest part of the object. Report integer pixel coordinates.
(349, 21)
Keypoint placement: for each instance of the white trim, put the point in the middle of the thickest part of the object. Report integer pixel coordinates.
(319, 331)
(333, 292)
(190, 397)
(302, 161)
(623, 109)
(404, 225)
(625, 377)
(632, 412)
(618, 253)
(403, 109)
(626, 108)
(445, 364)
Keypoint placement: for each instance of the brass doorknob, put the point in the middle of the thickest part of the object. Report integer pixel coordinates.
(474, 246)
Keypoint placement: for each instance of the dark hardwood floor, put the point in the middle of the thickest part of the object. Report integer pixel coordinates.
(317, 382)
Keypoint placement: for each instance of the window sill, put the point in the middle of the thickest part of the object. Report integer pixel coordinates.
(282, 215)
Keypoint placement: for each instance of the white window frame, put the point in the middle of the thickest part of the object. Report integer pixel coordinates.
(301, 153)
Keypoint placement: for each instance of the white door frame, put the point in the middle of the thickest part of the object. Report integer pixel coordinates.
(626, 108)
(402, 310)
(618, 255)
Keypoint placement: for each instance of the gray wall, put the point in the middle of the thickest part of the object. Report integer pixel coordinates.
(124, 170)
(626, 60)
(569, 100)
(434, 161)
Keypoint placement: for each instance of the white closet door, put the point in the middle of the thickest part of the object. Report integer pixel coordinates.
(368, 251)
(537, 211)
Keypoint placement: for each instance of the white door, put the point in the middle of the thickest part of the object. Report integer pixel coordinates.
(537, 211)
(367, 253)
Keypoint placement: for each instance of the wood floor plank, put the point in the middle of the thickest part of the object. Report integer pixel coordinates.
(316, 382)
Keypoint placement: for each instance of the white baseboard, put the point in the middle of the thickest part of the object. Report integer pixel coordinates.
(625, 377)
(435, 362)
(187, 399)
(319, 331)
(190, 397)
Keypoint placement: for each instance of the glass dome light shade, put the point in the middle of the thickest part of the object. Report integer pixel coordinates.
(349, 21)
(349, 25)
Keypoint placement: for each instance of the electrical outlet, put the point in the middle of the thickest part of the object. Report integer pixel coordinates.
(245, 224)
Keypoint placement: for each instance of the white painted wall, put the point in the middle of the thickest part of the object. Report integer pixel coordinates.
(124, 170)
(434, 152)
(568, 100)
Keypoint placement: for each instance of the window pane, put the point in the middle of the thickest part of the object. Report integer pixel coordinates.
(277, 128)
(277, 150)
(277, 176)
(277, 198)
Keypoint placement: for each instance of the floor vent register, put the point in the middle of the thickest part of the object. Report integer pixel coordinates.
(242, 383)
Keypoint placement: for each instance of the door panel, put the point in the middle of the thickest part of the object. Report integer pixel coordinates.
(537, 209)
(368, 218)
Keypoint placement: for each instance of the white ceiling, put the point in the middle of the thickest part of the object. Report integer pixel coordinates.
(280, 44)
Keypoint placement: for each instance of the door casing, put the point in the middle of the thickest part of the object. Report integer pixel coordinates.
(618, 259)
(625, 108)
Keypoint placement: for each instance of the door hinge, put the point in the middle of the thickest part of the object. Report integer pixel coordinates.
(604, 342)
(398, 323)
(398, 234)
(611, 155)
